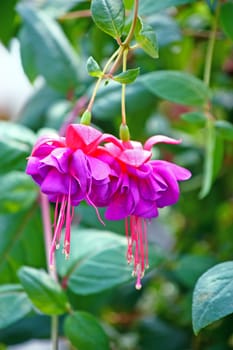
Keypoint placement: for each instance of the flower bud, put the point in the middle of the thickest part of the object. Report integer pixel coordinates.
(124, 132)
(86, 118)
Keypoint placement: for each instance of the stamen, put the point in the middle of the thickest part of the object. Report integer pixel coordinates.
(96, 210)
(137, 246)
(58, 229)
(138, 284)
(66, 249)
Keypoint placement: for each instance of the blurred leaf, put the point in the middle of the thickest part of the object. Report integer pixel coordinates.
(146, 38)
(108, 101)
(33, 326)
(98, 263)
(34, 113)
(15, 145)
(157, 334)
(21, 243)
(179, 87)
(226, 12)
(14, 304)
(18, 192)
(50, 48)
(147, 7)
(56, 8)
(197, 118)
(7, 10)
(166, 28)
(213, 159)
(190, 267)
(90, 335)
(109, 16)
(224, 129)
(213, 295)
(44, 292)
(128, 76)
(211, 4)
(93, 68)
(28, 54)
(128, 4)
(218, 156)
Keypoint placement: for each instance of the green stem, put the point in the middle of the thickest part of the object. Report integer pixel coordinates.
(123, 91)
(210, 48)
(209, 132)
(133, 25)
(91, 102)
(54, 332)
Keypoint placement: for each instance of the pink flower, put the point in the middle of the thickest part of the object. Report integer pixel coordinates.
(66, 169)
(141, 186)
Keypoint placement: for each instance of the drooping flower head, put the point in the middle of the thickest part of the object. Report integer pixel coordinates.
(142, 186)
(65, 169)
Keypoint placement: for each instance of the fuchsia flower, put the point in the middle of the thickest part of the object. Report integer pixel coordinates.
(66, 169)
(118, 175)
(143, 185)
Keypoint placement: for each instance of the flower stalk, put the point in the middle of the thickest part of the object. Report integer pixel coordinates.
(52, 271)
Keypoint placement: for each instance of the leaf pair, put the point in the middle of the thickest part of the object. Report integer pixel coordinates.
(109, 16)
(49, 298)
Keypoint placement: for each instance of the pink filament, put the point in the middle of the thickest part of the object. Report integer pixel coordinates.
(137, 246)
(62, 215)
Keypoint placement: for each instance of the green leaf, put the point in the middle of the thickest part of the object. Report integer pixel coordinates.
(146, 38)
(93, 68)
(128, 4)
(50, 48)
(45, 293)
(190, 267)
(224, 129)
(109, 16)
(22, 243)
(226, 12)
(213, 159)
(18, 192)
(85, 332)
(14, 304)
(147, 7)
(176, 86)
(56, 8)
(16, 142)
(128, 76)
(213, 295)
(28, 55)
(7, 10)
(98, 263)
(197, 118)
(158, 334)
(33, 114)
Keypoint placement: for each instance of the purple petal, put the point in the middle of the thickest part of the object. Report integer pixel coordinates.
(146, 209)
(45, 145)
(59, 159)
(171, 195)
(180, 173)
(55, 183)
(124, 201)
(79, 169)
(36, 170)
(99, 169)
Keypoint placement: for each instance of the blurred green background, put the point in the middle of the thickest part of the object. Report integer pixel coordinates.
(41, 97)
